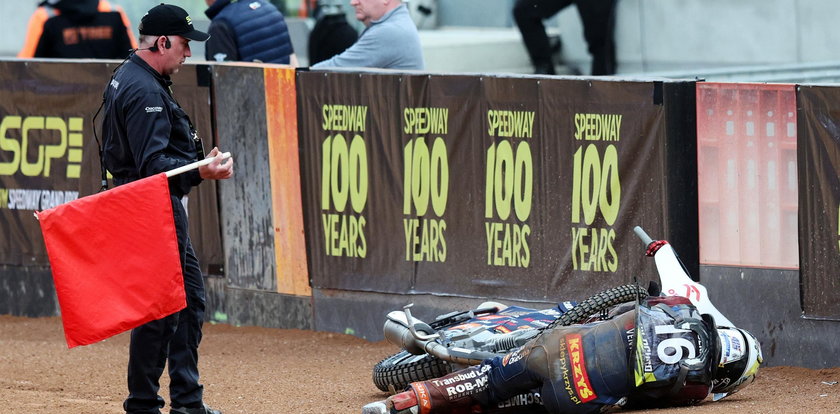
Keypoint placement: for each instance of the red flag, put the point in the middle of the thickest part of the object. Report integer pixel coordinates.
(114, 258)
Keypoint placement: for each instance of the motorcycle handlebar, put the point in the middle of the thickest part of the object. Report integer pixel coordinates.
(643, 235)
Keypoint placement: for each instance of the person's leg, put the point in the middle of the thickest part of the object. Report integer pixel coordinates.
(146, 361)
(598, 17)
(185, 389)
(529, 16)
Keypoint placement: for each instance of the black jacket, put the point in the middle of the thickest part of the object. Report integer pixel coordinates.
(145, 131)
(78, 29)
(248, 31)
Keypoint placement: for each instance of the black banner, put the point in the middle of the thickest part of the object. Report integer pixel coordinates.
(607, 141)
(48, 154)
(818, 152)
(351, 172)
(479, 186)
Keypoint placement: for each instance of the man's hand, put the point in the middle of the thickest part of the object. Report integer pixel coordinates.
(218, 169)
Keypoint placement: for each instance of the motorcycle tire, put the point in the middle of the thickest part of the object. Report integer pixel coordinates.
(403, 368)
(600, 302)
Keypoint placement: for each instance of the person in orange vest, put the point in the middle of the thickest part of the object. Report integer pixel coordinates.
(78, 29)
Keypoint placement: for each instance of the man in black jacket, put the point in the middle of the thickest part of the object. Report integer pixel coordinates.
(146, 132)
(78, 29)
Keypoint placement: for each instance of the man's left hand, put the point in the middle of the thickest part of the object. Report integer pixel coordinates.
(218, 169)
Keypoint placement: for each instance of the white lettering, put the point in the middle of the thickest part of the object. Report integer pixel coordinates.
(26, 199)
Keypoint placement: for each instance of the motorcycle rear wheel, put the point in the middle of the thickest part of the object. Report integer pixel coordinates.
(403, 368)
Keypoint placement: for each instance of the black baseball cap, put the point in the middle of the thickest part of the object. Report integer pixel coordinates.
(170, 20)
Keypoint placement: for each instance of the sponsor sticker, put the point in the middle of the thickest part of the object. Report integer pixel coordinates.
(583, 388)
(423, 398)
(515, 356)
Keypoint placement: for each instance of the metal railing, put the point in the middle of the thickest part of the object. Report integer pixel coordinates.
(817, 72)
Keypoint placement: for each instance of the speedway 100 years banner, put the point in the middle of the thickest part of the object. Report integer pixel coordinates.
(500, 187)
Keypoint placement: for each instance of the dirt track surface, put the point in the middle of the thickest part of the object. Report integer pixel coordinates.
(258, 370)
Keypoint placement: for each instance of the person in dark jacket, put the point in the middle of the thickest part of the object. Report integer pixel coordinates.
(248, 31)
(597, 16)
(332, 34)
(146, 132)
(78, 29)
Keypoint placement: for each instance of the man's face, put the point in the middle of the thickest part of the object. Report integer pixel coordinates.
(369, 10)
(176, 55)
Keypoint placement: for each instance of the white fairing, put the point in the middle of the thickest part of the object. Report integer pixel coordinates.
(675, 282)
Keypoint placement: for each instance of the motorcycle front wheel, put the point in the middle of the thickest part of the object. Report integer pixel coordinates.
(403, 368)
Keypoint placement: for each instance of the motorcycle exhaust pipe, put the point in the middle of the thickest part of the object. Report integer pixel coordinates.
(457, 355)
(418, 338)
(401, 336)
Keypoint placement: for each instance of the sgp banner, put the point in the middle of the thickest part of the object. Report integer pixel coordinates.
(48, 155)
(45, 129)
(818, 156)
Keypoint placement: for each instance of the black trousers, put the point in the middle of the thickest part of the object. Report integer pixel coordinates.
(598, 17)
(172, 339)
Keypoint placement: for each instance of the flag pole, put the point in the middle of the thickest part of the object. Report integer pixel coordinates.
(181, 170)
(188, 167)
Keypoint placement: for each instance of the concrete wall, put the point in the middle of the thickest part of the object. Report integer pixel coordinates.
(651, 35)
(659, 35)
(766, 302)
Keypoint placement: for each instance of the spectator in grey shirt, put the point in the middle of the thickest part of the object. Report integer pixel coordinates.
(389, 41)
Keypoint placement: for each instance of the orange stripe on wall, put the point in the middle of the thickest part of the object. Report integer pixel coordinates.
(289, 242)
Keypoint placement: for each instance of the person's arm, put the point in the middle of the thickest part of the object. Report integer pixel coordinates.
(221, 45)
(33, 33)
(148, 125)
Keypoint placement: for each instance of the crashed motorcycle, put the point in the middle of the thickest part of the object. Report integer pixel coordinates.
(458, 339)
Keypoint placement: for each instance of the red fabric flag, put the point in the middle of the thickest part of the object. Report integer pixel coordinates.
(114, 258)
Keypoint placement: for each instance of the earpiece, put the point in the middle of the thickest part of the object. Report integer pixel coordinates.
(166, 45)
